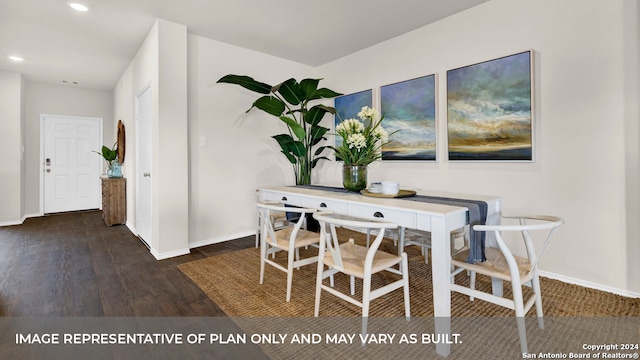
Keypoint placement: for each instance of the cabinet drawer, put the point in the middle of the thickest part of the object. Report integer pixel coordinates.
(402, 218)
(338, 207)
(309, 202)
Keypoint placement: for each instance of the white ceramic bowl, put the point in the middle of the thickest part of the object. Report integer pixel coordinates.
(375, 187)
(390, 187)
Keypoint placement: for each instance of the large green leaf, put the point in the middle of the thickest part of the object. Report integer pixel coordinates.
(309, 87)
(270, 104)
(289, 145)
(247, 83)
(108, 154)
(315, 115)
(284, 140)
(328, 109)
(320, 149)
(325, 93)
(315, 161)
(292, 159)
(295, 127)
(291, 91)
(316, 133)
(298, 148)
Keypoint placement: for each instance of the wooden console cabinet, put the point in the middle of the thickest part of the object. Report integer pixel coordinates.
(114, 200)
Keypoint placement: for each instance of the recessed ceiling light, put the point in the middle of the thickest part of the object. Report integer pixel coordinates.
(16, 58)
(78, 6)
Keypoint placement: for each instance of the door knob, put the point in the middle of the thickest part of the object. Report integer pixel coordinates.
(146, 174)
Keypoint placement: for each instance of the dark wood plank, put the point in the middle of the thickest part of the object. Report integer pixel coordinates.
(73, 265)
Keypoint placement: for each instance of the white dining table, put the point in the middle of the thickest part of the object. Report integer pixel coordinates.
(435, 218)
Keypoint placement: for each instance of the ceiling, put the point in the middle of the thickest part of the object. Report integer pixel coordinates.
(62, 46)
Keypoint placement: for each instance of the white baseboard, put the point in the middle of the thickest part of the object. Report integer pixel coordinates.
(26, 216)
(131, 228)
(220, 239)
(19, 222)
(11, 223)
(167, 255)
(589, 284)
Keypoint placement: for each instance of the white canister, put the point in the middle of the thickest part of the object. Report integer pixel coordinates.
(390, 187)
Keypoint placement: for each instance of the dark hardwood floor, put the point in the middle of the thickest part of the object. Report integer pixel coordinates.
(72, 264)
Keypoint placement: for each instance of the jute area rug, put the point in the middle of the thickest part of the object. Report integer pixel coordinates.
(231, 280)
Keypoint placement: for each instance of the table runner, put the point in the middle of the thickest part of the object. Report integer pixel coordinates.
(477, 215)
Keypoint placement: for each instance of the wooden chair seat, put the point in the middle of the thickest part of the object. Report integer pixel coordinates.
(353, 258)
(283, 238)
(495, 266)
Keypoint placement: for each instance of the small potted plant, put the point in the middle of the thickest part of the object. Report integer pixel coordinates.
(362, 142)
(110, 156)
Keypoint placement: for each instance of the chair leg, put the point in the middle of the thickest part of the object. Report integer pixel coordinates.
(263, 255)
(535, 285)
(289, 274)
(522, 334)
(352, 284)
(366, 299)
(366, 294)
(405, 279)
(316, 310)
(472, 284)
(518, 303)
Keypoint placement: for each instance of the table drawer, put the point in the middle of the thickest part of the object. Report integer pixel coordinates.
(308, 202)
(402, 218)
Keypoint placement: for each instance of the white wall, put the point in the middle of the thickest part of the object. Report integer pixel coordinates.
(171, 145)
(142, 71)
(631, 30)
(231, 153)
(57, 100)
(22, 103)
(11, 142)
(582, 160)
(161, 62)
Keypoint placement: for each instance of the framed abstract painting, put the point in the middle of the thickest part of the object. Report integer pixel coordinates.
(489, 110)
(409, 109)
(348, 107)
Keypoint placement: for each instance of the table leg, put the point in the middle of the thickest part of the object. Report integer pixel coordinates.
(440, 269)
(400, 240)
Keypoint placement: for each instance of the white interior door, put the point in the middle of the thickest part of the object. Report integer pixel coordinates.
(71, 170)
(143, 164)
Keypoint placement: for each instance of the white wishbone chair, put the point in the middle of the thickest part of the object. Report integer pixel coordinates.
(501, 264)
(357, 261)
(289, 239)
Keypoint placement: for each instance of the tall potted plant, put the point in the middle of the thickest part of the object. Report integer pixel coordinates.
(289, 101)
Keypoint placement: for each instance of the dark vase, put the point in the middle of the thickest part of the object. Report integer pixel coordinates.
(354, 177)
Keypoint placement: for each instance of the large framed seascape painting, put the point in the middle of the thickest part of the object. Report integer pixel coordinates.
(409, 109)
(489, 110)
(348, 107)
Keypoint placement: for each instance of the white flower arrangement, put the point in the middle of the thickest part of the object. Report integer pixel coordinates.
(361, 139)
